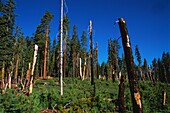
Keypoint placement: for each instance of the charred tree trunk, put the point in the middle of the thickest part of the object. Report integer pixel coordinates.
(45, 54)
(121, 104)
(133, 79)
(91, 54)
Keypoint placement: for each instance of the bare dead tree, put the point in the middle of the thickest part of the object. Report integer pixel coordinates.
(33, 67)
(61, 51)
(91, 54)
(133, 78)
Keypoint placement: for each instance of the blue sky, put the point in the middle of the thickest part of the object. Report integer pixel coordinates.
(148, 21)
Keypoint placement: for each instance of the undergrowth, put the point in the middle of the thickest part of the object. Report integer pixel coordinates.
(79, 97)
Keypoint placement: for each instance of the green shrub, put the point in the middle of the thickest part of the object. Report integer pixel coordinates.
(79, 97)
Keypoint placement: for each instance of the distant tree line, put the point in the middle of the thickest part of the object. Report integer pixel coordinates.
(159, 70)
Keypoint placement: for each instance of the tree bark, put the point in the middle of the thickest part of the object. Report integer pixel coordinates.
(28, 75)
(164, 97)
(22, 75)
(10, 75)
(73, 65)
(3, 80)
(84, 70)
(16, 70)
(9, 80)
(45, 54)
(133, 79)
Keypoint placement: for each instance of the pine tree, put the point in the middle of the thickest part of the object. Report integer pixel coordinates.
(7, 22)
(137, 53)
(155, 69)
(66, 29)
(145, 68)
(102, 69)
(113, 51)
(40, 36)
(53, 59)
(7, 39)
(19, 53)
(83, 43)
(83, 54)
(166, 66)
(95, 57)
(75, 50)
(138, 56)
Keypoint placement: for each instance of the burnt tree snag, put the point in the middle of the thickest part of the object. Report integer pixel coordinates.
(91, 54)
(133, 78)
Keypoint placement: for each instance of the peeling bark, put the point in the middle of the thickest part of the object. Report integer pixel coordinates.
(133, 78)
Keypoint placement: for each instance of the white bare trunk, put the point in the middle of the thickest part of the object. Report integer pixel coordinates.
(32, 71)
(164, 99)
(9, 80)
(84, 70)
(81, 70)
(61, 51)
